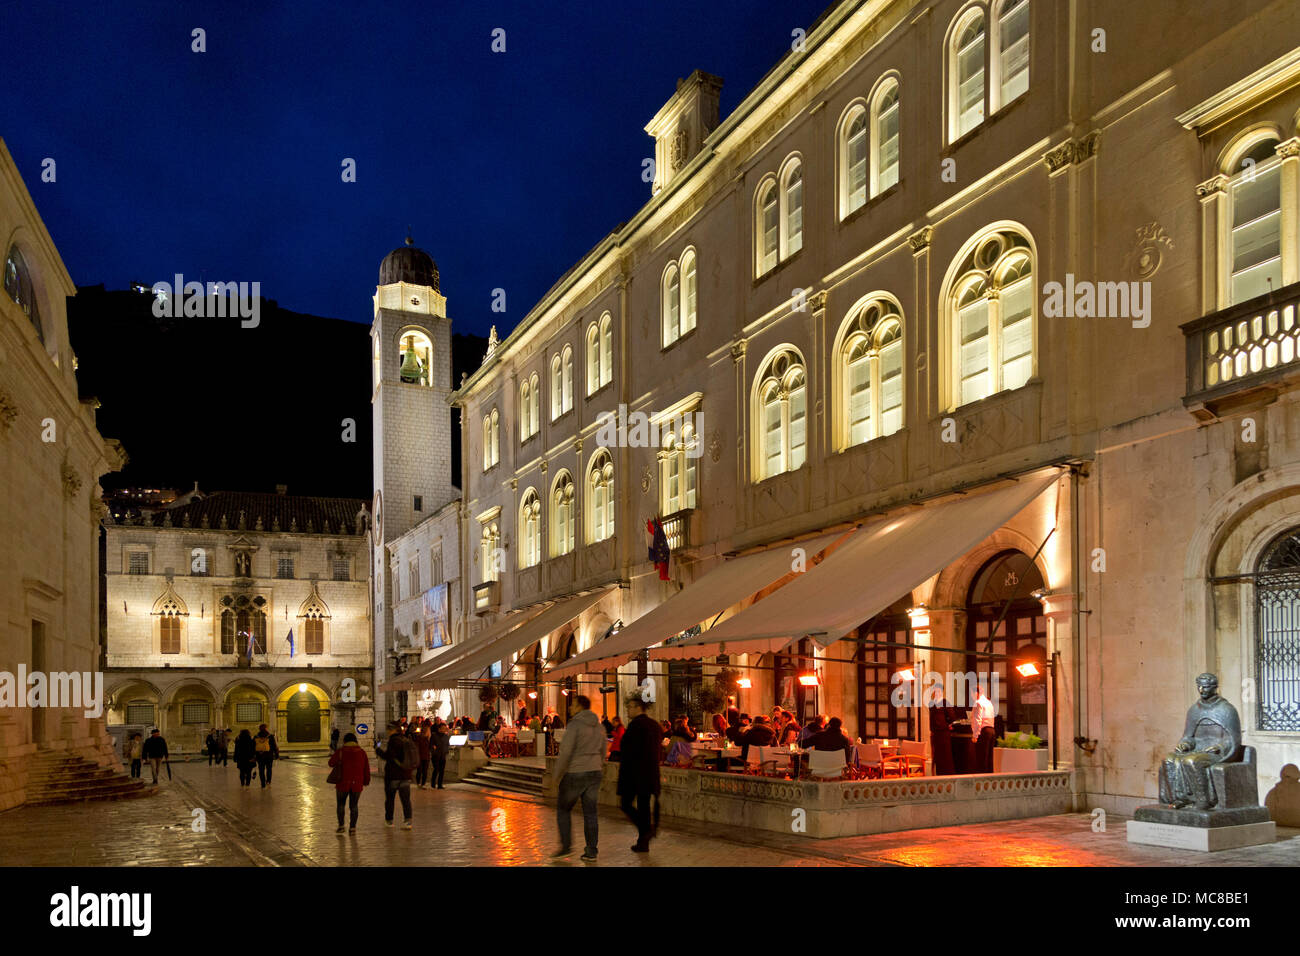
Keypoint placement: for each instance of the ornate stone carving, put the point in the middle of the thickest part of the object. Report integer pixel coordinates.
(715, 446)
(920, 239)
(71, 481)
(1072, 151)
(8, 411)
(1215, 184)
(1147, 254)
(677, 150)
(1288, 149)
(818, 300)
(647, 479)
(738, 350)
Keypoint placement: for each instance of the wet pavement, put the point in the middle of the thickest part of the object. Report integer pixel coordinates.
(292, 823)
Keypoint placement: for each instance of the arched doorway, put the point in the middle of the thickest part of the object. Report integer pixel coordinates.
(1007, 582)
(568, 648)
(1277, 635)
(878, 662)
(303, 719)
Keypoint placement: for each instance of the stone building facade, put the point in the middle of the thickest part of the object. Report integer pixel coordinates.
(51, 460)
(202, 597)
(943, 247)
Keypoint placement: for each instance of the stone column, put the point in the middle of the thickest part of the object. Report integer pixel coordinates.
(1290, 195)
(1214, 243)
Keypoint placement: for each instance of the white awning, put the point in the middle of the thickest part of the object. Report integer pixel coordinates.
(504, 648)
(879, 564)
(492, 632)
(725, 585)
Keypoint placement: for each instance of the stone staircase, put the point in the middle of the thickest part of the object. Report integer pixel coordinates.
(507, 775)
(57, 777)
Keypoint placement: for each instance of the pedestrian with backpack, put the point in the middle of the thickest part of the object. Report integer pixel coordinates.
(401, 757)
(351, 775)
(267, 751)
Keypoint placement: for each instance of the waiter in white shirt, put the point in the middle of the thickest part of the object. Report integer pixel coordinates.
(981, 728)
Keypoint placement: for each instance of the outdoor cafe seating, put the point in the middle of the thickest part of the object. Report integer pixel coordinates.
(878, 759)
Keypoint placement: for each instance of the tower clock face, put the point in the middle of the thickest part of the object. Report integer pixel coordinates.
(379, 516)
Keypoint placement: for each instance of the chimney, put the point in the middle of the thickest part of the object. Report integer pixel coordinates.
(680, 127)
(281, 489)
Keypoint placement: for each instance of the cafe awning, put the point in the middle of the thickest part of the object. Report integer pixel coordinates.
(505, 647)
(492, 632)
(725, 585)
(864, 575)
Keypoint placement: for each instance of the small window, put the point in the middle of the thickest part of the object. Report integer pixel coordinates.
(138, 562)
(284, 567)
(769, 226)
(139, 712)
(169, 635)
(1255, 196)
(313, 636)
(196, 712)
(19, 288)
(413, 570)
(248, 712)
(885, 160)
(1013, 50)
(530, 529)
(342, 567)
(967, 72)
(418, 503)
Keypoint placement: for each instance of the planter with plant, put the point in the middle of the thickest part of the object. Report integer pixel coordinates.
(1019, 753)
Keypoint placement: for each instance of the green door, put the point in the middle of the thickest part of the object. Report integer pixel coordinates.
(304, 719)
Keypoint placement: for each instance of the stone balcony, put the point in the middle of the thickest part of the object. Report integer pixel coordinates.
(1243, 355)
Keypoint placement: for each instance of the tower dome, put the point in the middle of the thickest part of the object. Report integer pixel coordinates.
(409, 264)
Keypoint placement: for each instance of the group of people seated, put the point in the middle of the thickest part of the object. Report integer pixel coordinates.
(780, 730)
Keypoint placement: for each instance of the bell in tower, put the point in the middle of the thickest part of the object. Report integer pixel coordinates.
(413, 371)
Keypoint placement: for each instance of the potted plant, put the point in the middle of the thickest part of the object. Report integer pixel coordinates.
(488, 693)
(509, 693)
(1019, 753)
(712, 700)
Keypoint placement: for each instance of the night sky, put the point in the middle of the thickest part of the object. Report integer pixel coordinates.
(225, 165)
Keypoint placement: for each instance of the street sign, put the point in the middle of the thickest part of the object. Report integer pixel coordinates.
(363, 729)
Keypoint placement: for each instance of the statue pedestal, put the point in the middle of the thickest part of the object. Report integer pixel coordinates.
(1203, 830)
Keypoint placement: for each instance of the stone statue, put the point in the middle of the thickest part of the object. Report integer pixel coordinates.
(1211, 736)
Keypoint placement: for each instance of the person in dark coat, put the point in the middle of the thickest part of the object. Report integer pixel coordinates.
(355, 777)
(439, 747)
(155, 751)
(267, 752)
(245, 757)
(422, 741)
(640, 752)
(941, 717)
(334, 740)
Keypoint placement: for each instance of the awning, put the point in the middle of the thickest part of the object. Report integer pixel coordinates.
(493, 632)
(863, 576)
(725, 585)
(503, 648)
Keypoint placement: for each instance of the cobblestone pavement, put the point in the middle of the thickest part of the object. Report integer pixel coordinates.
(292, 823)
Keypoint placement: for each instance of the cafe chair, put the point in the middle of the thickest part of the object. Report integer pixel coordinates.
(527, 743)
(911, 758)
(869, 761)
(758, 759)
(827, 764)
(556, 737)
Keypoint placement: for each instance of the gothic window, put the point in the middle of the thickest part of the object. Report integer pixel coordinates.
(19, 288)
(169, 634)
(781, 414)
(489, 548)
(870, 372)
(1277, 635)
(530, 529)
(415, 358)
(678, 463)
(563, 515)
(491, 439)
(313, 614)
(247, 625)
(228, 629)
(990, 317)
(600, 483)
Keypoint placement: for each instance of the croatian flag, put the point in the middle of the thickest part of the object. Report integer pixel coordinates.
(291, 643)
(250, 645)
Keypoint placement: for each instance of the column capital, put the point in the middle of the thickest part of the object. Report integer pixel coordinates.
(1289, 148)
(920, 240)
(1213, 185)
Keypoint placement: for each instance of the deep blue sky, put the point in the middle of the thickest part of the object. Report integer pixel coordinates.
(225, 165)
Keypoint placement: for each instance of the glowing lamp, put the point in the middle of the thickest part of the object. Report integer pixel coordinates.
(920, 616)
(744, 683)
(809, 680)
(1027, 669)
(302, 688)
(906, 674)
(565, 693)
(532, 695)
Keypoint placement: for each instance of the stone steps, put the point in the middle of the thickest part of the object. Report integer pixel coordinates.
(55, 778)
(505, 775)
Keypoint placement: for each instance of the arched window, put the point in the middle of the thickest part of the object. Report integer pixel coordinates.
(247, 625)
(991, 317)
(1004, 618)
(1256, 216)
(563, 515)
(415, 358)
(530, 529)
(491, 439)
(169, 609)
(600, 484)
(792, 209)
(530, 407)
(1277, 608)
(490, 550)
(312, 615)
(870, 387)
(688, 291)
(557, 389)
(672, 303)
(782, 414)
(1010, 54)
(566, 393)
(228, 643)
(678, 460)
(593, 358)
(606, 349)
(884, 126)
(966, 92)
(767, 226)
(19, 288)
(853, 158)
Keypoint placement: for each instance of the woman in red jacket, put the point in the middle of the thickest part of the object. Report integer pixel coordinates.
(354, 776)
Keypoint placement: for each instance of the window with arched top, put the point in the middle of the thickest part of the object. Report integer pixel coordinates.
(600, 489)
(781, 414)
(18, 286)
(853, 160)
(415, 358)
(990, 316)
(778, 216)
(966, 73)
(566, 382)
(869, 367)
(679, 299)
(791, 209)
(557, 390)
(593, 358)
(530, 405)
(1255, 219)
(678, 458)
(490, 550)
(564, 510)
(884, 132)
(491, 439)
(312, 616)
(1277, 635)
(1010, 53)
(987, 63)
(530, 529)
(767, 226)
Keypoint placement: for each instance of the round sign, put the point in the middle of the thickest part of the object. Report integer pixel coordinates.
(363, 729)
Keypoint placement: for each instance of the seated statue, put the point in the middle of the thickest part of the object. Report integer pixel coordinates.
(1211, 736)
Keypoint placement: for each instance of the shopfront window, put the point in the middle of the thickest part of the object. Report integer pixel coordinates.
(1007, 582)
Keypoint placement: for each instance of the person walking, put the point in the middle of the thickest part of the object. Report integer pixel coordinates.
(210, 745)
(422, 741)
(245, 758)
(334, 740)
(223, 746)
(638, 771)
(268, 751)
(439, 747)
(353, 777)
(579, 768)
(400, 758)
(155, 751)
(133, 750)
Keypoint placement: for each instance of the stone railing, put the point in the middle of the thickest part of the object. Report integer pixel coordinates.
(1242, 350)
